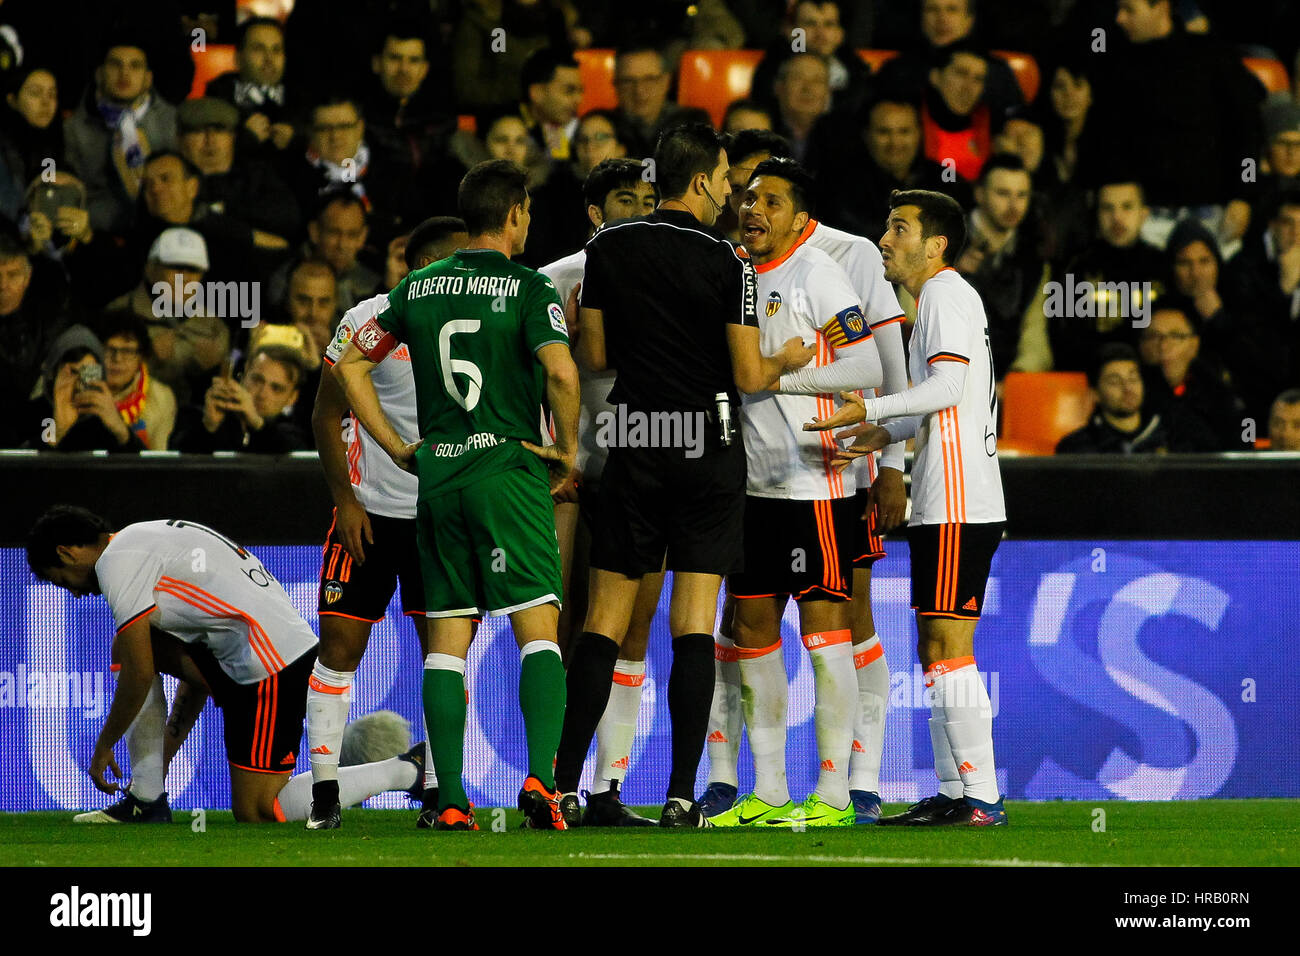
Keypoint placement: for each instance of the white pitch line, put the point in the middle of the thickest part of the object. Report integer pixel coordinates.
(790, 858)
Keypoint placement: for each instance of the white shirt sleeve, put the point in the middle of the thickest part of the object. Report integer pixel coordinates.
(942, 389)
(893, 363)
(835, 313)
(342, 336)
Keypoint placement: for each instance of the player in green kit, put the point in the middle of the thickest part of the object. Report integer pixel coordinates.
(488, 346)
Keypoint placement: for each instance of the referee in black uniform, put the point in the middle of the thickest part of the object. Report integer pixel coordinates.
(670, 305)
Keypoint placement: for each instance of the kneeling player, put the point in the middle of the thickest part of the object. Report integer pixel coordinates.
(224, 621)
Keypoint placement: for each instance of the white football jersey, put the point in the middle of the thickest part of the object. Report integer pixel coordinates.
(955, 476)
(594, 386)
(380, 486)
(803, 293)
(860, 258)
(207, 590)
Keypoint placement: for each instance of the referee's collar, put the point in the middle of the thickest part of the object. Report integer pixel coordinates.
(685, 219)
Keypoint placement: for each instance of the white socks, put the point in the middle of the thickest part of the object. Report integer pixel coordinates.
(617, 729)
(144, 744)
(962, 703)
(328, 700)
(836, 709)
(869, 728)
(726, 718)
(355, 784)
(764, 694)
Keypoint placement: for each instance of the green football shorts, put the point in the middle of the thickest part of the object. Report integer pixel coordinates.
(490, 547)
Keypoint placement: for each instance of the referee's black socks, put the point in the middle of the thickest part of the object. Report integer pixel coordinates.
(591, 672)
(690, 698)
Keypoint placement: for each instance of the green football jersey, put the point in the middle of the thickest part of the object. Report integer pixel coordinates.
(473, 323)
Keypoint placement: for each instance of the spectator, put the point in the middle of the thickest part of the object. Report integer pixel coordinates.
(30, 321)
(57, 220)
(313, 306)
(119, 123)
(944, 25)
(30, 135)
(248, 191)
(253, 415)
(1279, 173)
(256, 86)
(1236, 335)
(1120, 424)
(558, 226)
(1123, 275)
(802, 90)
(853, 190)
(1151, 91)
(1265, 277)
(146, 405)
(642, 79)
(78, 412)
(823, 36)
(1001, 260)
(181, 347)
(1067, 228)
(336, 236)
(552, 90)
(1180, 381)
(956, 124)
(1284, 422)
(746, 114)
(408, 121)
(492, 41)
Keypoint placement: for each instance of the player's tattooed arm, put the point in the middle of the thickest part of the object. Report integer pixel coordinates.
(133, 653)
(353, 371)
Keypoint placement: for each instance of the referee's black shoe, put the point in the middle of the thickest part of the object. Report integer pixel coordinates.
(608, 810)
(932, 811)
(428, 809)
(677, 815)
(571, 810)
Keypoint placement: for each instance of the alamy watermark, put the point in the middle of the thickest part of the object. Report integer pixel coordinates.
(225, 300)
(621, 428)
(1092, 300)
(67, 690)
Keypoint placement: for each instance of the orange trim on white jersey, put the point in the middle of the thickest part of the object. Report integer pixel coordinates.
(803, 237)
(195, 596)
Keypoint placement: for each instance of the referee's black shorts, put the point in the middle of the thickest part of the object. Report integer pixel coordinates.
(656, 501)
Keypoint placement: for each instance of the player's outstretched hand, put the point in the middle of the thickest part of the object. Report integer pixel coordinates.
(405, 458)
(354, 529)
(869, 437)
(100, 762)
(850, 413)
(559, 463)
(888, 496)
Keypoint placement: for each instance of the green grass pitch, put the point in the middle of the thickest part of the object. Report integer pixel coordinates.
(1195, 833)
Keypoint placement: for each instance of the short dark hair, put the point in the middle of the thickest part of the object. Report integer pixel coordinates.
(1121, 181)
(61, 525)
(286, 356)
(735, 106)
(945, 56)
(748, 142)
(1008, 161)
(1173, 302)
(252, 23)
(191, 171)
(939, 215)
(608, 175)
(433, 230)
(1289, 197)
(1289, 397)
(1111, 352)
(541, 65)
(487, 194)
(682, 153)
(630, 48)
(403, 28)
(335, 98)
(800, 180)
(11, 247)
(124, 322)
(338, 194)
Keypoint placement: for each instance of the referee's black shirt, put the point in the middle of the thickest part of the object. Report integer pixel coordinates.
(668, 286)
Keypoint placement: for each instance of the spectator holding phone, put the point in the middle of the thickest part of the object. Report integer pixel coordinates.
(252, 415)
(78, 412)
(29, 133)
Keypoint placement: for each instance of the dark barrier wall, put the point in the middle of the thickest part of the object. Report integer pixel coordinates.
(284, 500)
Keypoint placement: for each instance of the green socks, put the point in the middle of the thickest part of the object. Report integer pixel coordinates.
(541, 698)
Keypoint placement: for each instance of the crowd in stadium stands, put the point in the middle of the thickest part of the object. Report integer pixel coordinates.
(1133, 204)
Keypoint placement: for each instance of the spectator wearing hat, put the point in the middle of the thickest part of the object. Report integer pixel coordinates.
(253, 414)
(247, 190)
(182, 347)
(74, 410)
(256, 86)
(1181, 381)
(1279, 170)
(118, 125)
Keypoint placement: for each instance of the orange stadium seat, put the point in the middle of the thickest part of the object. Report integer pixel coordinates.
(596, 68)
(1270, 72)
(1041, 408)
(874, 58)
(210, 63)
(1025, 67)
(712, 79)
